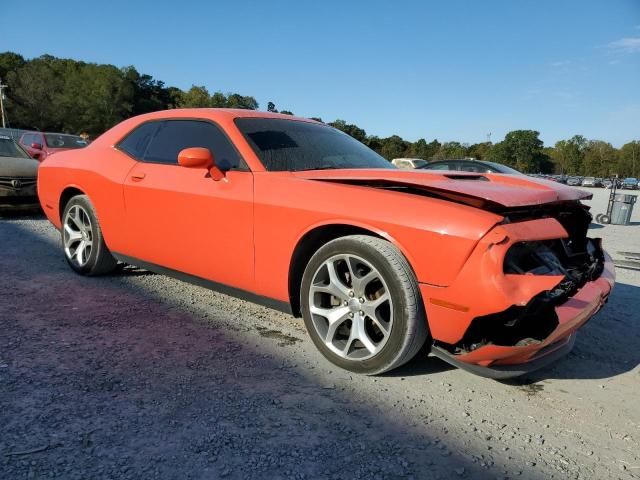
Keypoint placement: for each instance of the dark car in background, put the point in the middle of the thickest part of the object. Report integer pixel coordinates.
(18, 177)
(40, 145)
(468, 165)
(629, 183)
(574, 181)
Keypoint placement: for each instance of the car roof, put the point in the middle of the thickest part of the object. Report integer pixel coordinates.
(219, 113)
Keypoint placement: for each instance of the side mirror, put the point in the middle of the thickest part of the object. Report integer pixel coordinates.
(36, 146)
(198, 157)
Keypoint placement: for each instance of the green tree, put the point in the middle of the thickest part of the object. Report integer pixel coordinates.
(522, 150)
(600, 159)
(479, 151)
(196, 97)
(356, 132)
(569, 154)
(450, 150)
(629, 160)
(10, 62)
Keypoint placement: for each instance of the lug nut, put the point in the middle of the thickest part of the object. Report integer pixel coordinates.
(351, 314)
(361, 300)
(361, 313)
(351, 294)
(345, 303)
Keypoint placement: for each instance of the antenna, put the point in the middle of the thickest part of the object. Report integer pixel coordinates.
(2, 87)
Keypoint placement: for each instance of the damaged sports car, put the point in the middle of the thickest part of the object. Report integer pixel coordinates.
(493, 273)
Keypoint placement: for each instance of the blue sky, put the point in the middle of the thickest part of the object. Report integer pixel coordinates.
(452, 70)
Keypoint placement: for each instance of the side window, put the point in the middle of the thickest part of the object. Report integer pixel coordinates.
(175, 135)
(27, 139)
(467, 167)
(136, 143)
(439, 166)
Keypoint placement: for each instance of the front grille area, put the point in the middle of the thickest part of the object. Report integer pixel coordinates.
(17, 183)
(577, 258)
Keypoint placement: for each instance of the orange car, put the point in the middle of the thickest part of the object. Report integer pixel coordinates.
(494, 271)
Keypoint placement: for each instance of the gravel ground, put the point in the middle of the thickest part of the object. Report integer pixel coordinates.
(136, 375)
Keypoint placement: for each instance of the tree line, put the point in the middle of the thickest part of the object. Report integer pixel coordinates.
(64, 95)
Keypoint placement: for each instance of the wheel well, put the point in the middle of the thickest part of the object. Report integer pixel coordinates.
(306, 247)
(67, 194)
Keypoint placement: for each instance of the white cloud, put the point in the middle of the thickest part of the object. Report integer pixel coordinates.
(626, 45)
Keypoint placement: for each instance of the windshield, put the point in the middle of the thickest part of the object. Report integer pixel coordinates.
(9, 148)
(57, 140)
(503, 168)
(291, 145)
(630, 180)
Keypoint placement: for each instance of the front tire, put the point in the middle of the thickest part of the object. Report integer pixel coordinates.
(362, 306)
(82, 241)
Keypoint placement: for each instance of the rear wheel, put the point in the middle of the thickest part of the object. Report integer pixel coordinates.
(82, 240)
(362, 306)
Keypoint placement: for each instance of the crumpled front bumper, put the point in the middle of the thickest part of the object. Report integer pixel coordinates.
(451, 315)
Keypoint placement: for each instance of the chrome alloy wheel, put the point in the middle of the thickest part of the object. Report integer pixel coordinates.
(351, 307)
(77, 235)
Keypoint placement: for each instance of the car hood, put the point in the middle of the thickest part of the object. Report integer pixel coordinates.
(479, 190)
(18, 167)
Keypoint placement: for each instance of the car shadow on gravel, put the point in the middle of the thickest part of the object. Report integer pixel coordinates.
(421, 364)
(110, 378)
(9, 215)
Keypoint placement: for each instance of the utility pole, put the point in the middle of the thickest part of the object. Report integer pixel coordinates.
(2, 87)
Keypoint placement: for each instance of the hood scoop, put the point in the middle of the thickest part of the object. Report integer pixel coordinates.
(456, 176)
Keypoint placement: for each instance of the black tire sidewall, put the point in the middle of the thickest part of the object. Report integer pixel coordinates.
(401, 312)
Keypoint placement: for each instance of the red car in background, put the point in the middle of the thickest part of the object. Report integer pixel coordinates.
(40, 145)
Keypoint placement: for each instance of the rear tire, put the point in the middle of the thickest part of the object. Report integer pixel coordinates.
(82, 241)
(362, 306)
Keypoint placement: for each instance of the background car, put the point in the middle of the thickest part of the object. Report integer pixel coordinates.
(630, 183)
(18, 177)
(574, 181)
(466, 165)
(409, 162)
(591, 182)
(294, 214)
(40, 145)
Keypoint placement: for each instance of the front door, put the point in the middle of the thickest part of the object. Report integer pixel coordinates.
(180, 218)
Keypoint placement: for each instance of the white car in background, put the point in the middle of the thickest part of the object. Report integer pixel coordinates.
(409, 162)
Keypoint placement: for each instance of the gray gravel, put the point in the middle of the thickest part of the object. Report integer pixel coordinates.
(137, 375)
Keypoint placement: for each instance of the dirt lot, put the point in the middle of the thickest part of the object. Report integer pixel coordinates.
(137, 375)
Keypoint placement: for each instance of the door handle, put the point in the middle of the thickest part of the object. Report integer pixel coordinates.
(136, 177)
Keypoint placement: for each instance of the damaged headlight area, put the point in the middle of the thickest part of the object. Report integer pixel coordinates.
(577, 262)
